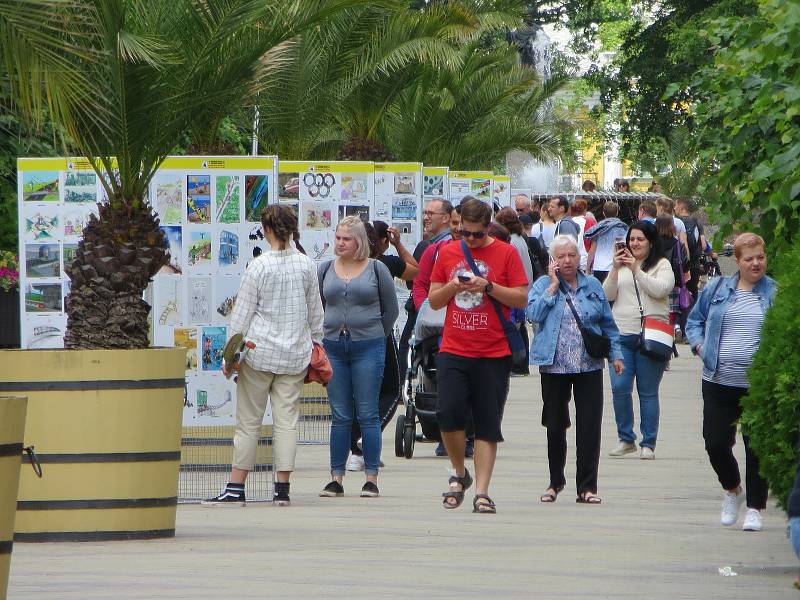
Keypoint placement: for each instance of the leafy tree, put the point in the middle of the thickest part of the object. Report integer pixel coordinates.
(125, 79)
(17, 139)
(748, 121)
(648, 87)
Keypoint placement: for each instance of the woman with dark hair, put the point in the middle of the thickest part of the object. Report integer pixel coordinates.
(498, 232)
(639, 284)
(278, 307)
(509, 219)
(678, 260)
(403, 266)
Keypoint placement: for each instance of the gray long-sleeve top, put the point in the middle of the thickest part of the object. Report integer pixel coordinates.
(356, 306)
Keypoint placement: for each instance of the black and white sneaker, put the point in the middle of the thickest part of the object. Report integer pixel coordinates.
(333, 490)
(281, 495)
(232, 495)
(370, 490)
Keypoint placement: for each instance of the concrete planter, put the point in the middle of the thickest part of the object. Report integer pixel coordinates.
(106, 425)
(12, 428)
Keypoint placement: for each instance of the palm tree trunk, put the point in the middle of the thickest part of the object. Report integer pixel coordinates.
(116, 259)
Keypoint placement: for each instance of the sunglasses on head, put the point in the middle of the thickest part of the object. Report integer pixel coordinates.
(474, 234)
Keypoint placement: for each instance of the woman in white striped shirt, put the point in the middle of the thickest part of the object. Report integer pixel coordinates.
(278, 307)
(724, 329)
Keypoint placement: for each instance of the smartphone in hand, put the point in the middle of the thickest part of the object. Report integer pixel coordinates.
(464, 278)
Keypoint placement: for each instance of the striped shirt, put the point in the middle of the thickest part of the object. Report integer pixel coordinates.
(739, 340)
(278, 307)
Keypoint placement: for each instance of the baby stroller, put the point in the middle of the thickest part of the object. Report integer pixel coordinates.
(419, 397)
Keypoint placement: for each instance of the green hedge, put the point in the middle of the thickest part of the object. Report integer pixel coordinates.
(771, 412)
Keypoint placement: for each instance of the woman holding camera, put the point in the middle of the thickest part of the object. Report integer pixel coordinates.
(565, 366)
(724, 328)
(639, 284)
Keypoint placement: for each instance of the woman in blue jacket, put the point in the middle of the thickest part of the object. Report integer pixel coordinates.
(724, 329)
(566, 367)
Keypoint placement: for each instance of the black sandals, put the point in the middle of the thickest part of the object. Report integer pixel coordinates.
(465, 482)
(487, 507)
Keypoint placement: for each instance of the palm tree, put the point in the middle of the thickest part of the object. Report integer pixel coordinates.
(125, 79)
(470, 116)
(340, 80)
(674, 159)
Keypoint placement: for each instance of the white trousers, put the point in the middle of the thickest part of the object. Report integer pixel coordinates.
(253, 390)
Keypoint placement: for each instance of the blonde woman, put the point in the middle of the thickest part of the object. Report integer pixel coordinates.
(360, 311)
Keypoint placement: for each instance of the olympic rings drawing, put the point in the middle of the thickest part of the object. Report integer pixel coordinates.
(319, 184)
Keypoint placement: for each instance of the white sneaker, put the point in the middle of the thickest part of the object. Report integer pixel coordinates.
(647, 453)
(753, 520)
(730, 508)
(622, 449)
(355, 463)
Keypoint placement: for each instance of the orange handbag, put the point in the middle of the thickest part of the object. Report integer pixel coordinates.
(319, 369)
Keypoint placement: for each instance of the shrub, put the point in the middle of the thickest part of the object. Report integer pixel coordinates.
(771, 409)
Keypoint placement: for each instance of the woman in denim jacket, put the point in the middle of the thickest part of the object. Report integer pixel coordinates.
(566, 367)
(724, 328)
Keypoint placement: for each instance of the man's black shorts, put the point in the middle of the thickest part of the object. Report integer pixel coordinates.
(476, 384)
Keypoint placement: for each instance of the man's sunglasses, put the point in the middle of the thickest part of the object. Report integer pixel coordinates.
(474, 234)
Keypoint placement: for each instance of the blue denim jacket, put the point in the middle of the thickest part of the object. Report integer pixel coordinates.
(704, 324)
(546, 311)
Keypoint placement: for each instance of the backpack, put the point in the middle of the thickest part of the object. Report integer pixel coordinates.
(693, 241)
(540, 260)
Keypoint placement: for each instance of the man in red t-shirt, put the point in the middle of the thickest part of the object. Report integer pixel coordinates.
(474, 361)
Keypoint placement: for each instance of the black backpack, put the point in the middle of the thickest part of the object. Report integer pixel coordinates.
(540, 260)
(693, 240)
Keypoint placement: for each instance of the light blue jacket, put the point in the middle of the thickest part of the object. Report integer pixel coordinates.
(547, 311)
(704, 325)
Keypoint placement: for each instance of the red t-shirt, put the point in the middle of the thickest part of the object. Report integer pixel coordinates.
(471, 327)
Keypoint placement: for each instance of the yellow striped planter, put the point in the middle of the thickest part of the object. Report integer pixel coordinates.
(12, 427)
(106, 425)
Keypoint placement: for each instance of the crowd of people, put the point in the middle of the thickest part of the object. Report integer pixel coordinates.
(589, 289)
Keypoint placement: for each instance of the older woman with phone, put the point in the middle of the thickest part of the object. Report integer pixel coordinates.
(563, 304)
(724, 329)
(639, 284)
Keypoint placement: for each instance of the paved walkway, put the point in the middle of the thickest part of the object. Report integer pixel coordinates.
(656, 535)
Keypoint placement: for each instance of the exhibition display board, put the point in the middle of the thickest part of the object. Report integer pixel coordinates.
(209, 208)
(470, 183)
(398, 199)
(323, 193)
(501, 190)
(435, 183)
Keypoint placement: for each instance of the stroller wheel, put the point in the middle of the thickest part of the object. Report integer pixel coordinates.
(409, 437)
(399, 433)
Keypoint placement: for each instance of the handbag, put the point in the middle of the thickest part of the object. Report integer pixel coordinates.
(598, 345)
(319, 369)
(430, 321)
(656, 340)
(515, 343)
(684, 297)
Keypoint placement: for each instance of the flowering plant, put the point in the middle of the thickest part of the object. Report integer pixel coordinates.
(9, 270)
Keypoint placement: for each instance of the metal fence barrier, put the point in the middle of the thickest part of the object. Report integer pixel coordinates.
(207, 451)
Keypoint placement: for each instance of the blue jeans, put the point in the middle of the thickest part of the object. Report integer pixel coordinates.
(353, 393)
(648, 373)
(794, 534)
